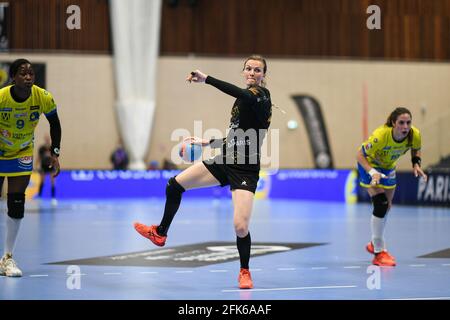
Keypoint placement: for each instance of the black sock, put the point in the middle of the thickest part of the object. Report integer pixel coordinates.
(53, 192)
(174, 192)
(243, 246)
(41, 186)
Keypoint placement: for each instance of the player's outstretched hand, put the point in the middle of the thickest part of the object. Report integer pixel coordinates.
(196, 76)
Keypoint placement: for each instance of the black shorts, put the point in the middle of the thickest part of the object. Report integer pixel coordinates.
(234, 175)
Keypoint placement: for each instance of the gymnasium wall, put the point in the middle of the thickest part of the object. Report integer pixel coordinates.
(83, 87)
(410, 29)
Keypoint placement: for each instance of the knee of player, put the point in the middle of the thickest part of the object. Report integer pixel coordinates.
(16, 205)
(381, 205)
(241, 228)
(173, 188)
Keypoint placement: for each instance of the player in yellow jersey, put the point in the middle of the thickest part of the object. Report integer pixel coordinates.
(377, 158)
(21, 105)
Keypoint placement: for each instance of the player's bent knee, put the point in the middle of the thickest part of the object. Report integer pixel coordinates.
(380, 205)
(16, 205)
(174, 189)
(241, 229)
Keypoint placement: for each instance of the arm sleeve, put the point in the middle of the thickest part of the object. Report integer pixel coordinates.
(55, 129)
(249, 96)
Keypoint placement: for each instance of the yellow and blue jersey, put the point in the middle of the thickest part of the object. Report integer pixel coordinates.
(382, 151)
(18, 121)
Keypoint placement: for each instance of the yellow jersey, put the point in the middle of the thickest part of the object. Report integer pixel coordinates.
(382, 151)
(19, 119)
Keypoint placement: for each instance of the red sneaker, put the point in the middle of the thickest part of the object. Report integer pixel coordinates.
(384, 259)
(245, 279)
(371, 250)
(150, 233)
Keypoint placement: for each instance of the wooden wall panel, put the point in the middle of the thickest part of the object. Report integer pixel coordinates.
(411, 29)
(41, 25)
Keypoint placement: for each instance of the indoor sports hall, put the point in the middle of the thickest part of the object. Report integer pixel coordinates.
(126, 79)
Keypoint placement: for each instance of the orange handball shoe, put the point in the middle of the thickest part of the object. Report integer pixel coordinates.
(150, 233)
(384, 259)
(370, 248)
(245, 279)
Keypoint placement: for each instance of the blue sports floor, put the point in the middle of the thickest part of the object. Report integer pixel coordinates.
(340, 268)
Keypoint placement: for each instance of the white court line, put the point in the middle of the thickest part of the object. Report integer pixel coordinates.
(185, 271)
(112, 273)
(295, 288)
(286, 269)
(446, 264)
(425, 298)
(255, 270)
(319, 268)
(38, 275)
(218, 270)
(417, 265)
(148, 272)
(352, 267)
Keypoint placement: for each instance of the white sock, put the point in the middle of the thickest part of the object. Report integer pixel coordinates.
(377, 226)
(12, 230)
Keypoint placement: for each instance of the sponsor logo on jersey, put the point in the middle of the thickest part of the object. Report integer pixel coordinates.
(34, 116)
(387, 148)
(368, 146)
(5, 133)
(34, 108)
(21, 136)
(21, 109)
(5, 116)
(6, 109)
(21, 115)
(26, 160)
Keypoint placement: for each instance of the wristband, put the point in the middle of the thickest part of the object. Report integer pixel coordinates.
(372, 172)
(55, 151)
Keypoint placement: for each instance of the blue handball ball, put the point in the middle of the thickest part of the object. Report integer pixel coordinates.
(190, 152)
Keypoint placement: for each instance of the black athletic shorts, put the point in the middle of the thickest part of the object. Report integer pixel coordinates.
(237, 176)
